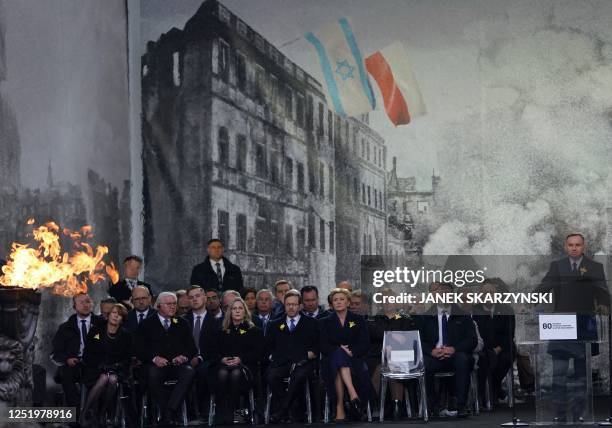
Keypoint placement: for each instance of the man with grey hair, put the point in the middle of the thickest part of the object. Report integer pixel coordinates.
(166, 346)
(227, 298)
(263, 309)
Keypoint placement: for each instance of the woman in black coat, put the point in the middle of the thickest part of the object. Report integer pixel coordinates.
(239, 349)
(344, 343)
(105, 362)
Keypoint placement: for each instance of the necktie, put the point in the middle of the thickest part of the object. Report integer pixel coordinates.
(140, 317)
(166, 324)
(574, 267)
(196, 330)
(83, 333)
(291, 324)
(311, 314)
(219, 275)
(444, 328)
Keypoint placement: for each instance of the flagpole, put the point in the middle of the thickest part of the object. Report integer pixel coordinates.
(290, 42)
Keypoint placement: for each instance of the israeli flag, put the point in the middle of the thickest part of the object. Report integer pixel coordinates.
(345, 78)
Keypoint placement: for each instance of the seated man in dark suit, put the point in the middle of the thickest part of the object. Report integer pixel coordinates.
(227, 298)
(496, 326)
(310, 302)
(68, 344)
(263, 314)
(213, 303)
(141, 300)
(204, 326)
(579, 286)
(166, 346)
(217, 271)
(448, 338)
(292, 343)
(122, 291)
(280, 289)
(106, 305)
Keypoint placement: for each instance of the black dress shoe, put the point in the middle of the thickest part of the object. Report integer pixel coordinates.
(356, 409)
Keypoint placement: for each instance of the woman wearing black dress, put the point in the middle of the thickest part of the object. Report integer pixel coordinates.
(105, 362)
(344, 343)
(239, 350)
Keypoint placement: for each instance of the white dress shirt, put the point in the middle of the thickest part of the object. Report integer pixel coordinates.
(577, 261)
(87, 326)
(214, 266)
(296, 320)
(202, 315)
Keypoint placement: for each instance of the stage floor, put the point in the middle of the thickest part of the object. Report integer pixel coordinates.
(502, 413)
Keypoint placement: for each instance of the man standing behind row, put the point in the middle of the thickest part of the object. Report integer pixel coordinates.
(217, 271)
(122, 290)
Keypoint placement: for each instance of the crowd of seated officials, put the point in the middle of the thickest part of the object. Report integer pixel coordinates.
(227, 342)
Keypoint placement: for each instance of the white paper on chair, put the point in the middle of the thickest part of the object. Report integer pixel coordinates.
(405, 356)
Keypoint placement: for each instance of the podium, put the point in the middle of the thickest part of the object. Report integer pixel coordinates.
(561, 356)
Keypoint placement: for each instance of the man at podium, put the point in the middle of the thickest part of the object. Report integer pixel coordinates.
(579, 287)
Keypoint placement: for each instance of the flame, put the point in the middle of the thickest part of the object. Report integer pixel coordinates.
(47, 267)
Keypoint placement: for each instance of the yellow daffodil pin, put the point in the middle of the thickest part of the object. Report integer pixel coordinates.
(174, 320)
(352, 324)
(242, 331)
(282, 326)
(97, 336)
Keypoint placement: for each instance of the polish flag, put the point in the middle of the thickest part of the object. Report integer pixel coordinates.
(398, 86)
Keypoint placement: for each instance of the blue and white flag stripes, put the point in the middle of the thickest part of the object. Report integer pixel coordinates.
(345, 78)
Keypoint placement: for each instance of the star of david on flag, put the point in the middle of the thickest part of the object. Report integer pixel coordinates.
(345, 79)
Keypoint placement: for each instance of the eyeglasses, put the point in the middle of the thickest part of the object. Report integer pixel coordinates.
(169, 304)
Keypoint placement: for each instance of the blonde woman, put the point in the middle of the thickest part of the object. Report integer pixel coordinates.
(344, 342)
(239, 350)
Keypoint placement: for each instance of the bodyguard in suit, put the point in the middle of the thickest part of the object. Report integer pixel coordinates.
(166, 346)
(204, 327)
(292, 343)
(448, 339)
(216, 271)
(122, 291)
(579, 286)
(69, 342)
(141, 300)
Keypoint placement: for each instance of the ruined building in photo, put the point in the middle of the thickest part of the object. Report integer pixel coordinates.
(239, 143)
